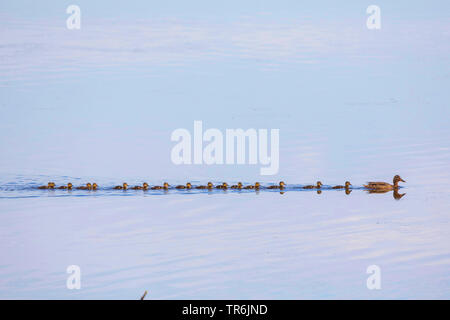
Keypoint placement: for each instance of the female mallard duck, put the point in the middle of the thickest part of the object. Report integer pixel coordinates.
(317, 186)
(223, 186)
(384, 185)
(124, 186)
(143, 187)
(68, 187)
(88, 186)
(50, 185)
(347, 185)
(208, 186)
(187, 186)
(280, 186)
(255, 186)
(165, 186)
(237, 186)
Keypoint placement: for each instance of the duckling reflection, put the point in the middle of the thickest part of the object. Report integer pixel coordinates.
(319, 191)
(348, 191)
(187, 186)
(50, 185)
(384, 185)
(165, 186)
(395, 194)
(281, 185)
(88, 186)
(317, 186)
(124, 186)
(208, 186)
(68, 187)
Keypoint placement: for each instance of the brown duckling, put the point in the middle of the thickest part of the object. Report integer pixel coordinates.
(347, 185)
(124, 186)
(255, 186)
(143, 187)
(68, 187)
(165, 186)
(187, 186)
(237, 186)
(317, 186)
(50, 185)
(384, 185)
(223, 186)
(280, 186)
(88, 186)
(94, 186)
(208, 186)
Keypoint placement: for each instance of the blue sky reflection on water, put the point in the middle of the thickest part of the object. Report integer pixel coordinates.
(100, 104)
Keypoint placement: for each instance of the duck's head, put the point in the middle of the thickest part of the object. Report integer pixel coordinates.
(51, 184)
(225, 185)
(282, 184)
(165, 185)
(145, 185)
(69, 185)
(347, 184)
(210, 185)
(125, 185)
(239, 184)
(397, 179)
(188, 185)
(257, 185)
(319, 184)
(89, 185)
(94, 186)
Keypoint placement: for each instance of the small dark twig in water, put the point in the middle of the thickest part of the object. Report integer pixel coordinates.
(143, 296)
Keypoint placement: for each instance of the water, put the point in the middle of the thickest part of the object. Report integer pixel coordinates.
(99, 105)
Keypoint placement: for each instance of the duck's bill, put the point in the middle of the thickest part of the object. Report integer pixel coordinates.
(402, 180)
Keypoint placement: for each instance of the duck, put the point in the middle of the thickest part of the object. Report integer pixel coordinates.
(68, 187)
(94, 186)
(237, 186)
(384, 185)
(281, 185)
(222, 186)
(187, 186)
(124, 186)
(208, 186)
(317, 186)
(346, 186)
(143, 187)
(88, 186)
(165, 186)
(50, 185)
(255, 186)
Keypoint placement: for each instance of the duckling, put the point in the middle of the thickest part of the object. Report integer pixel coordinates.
(222, 186)
(50, 185)
(317, 186)
(347, 185)
(280, 186)
(237, 186)
(143, 187)
(124, 186)
(208, 186)
(385, 185)
(187, 186)
(88, 186)
(255, 186)
(68, 187)
(165, 186)
(94, 186)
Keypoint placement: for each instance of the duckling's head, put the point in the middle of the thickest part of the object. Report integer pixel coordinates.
(347, 184)
(51, 184)
(240, 184)
(188, 185)
(319, 184)
(397, 179)
(210, 185)
(225, 185)
(257, 185)
(89, 185)
(165, 185)
(282, 184)
(94, 186)
(145, 185)
(125, 185)
(69, 185)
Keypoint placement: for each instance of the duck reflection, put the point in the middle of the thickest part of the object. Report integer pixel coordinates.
(395, 193)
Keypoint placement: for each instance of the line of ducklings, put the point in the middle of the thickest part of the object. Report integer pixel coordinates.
(374, 187)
